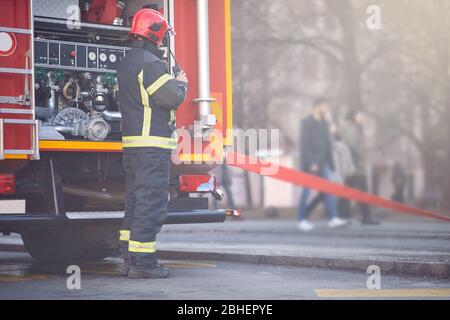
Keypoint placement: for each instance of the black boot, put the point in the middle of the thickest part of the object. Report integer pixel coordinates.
(146, 266)
(124, 268)
(123, 253)
(156, 272)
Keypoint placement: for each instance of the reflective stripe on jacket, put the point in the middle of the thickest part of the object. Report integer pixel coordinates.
(149, 97)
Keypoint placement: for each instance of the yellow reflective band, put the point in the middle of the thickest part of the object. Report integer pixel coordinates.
(149, 141)
(147, 117)
(172, 116)
(142, 247)
(146, 122)
(158, 83)
(124, 235)
(144, 96)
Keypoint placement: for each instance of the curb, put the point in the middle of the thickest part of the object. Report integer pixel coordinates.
(12, 247)
(435, 270)
(319, 232)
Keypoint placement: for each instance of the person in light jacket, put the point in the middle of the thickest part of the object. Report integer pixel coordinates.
(354, 136)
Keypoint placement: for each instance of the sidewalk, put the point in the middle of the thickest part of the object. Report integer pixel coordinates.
(417, 247)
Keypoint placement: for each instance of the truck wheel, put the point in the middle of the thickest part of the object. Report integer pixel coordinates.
(70, 244)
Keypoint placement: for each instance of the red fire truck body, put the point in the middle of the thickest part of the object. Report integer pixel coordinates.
(61, 179)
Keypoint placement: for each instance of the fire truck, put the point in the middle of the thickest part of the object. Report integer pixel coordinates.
(61, 176)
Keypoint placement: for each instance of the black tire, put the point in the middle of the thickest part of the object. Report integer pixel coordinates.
(70, 244)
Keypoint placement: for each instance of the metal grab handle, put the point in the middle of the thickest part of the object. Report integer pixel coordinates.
(34, 151)
(22, 100)
(25, 98)
(16, 71)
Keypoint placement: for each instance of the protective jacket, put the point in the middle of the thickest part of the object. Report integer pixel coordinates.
(149, 97)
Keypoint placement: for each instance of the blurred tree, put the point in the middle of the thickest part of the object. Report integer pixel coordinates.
(288, 52)
(423, 90)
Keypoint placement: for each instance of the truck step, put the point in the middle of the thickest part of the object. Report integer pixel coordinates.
(14, 222)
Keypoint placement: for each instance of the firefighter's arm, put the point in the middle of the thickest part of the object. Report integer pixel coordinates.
(165, 90)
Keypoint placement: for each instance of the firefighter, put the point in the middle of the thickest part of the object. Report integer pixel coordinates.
(149, 97)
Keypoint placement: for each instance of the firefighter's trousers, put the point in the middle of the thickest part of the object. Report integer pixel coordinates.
(147, 186)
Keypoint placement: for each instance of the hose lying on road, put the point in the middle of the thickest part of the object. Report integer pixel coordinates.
(299, 178)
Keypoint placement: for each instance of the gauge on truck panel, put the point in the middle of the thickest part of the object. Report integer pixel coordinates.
(103, 57)
(112, 58)
(92, 57)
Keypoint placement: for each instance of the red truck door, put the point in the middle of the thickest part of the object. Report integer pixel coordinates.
(18, 127)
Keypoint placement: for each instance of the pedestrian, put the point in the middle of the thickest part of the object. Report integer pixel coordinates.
(344, 167)
(354, 136)
(398, 182)
(343, 160)
(226, 183)
(149, 96)
(317, 158)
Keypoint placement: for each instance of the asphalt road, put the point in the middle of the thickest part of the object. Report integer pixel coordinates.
(21, 278)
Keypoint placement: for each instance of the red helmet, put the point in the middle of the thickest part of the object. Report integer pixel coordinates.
(150, 24)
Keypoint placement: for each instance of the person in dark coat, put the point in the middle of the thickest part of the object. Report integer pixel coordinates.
(398, 182)
(317, 158)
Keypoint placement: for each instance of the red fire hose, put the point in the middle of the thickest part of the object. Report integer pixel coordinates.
(313, 182)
